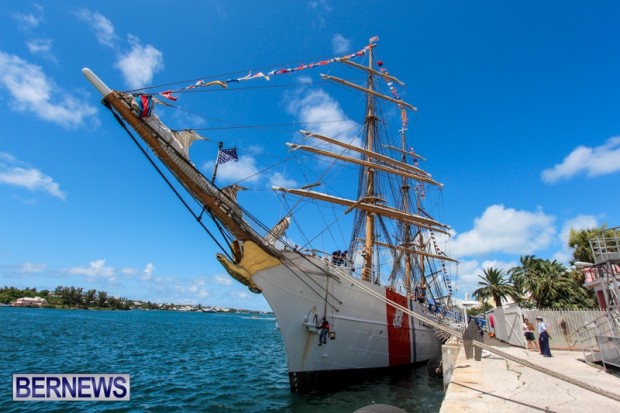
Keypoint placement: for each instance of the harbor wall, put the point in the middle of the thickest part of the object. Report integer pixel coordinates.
(449, 355)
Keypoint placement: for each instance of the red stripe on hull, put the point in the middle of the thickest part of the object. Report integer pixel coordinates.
(399, 338)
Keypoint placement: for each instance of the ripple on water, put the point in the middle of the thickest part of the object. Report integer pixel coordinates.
(192, 362)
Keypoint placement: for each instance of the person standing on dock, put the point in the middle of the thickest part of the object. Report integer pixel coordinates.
(543, 338)
(529, 335)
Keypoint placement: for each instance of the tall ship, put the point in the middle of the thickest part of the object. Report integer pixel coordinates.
(343, 310)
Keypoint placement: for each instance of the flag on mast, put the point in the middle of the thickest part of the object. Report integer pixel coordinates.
(227, 155)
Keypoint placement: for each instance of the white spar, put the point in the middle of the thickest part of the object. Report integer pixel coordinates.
(96, 82)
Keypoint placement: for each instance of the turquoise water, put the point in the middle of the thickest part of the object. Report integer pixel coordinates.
(181, 362)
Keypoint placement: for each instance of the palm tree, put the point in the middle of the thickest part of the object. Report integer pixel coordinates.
(494, 285)
(547, 284)
(580, 241)
(519, 275)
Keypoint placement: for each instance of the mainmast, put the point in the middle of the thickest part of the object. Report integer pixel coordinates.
(407, 227)
(370, 177)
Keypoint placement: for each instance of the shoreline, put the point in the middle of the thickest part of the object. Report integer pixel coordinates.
(231, 311)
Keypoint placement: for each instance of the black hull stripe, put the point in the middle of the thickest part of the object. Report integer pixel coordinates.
(306, 381)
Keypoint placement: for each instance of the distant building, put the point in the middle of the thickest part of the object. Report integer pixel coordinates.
(29, 302)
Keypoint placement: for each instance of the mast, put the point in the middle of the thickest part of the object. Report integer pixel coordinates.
(370, 177)
(407, 227)
(217, 161)
(421, 247)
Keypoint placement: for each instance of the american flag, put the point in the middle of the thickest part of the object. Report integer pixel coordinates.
(227, 155)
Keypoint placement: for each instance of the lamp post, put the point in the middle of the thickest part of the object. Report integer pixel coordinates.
(467, 303)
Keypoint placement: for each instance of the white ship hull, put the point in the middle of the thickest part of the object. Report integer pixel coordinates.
(367, 332)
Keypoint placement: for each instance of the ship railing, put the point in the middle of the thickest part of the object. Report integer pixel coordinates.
(606, 246)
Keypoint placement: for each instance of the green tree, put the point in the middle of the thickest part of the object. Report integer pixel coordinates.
(494, 285)
(89, 297)
(481, 309)
(548, 284)
(8, 294)
(579, 240)
(102, 299)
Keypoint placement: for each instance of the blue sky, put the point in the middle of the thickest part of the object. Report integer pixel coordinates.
(518, 117)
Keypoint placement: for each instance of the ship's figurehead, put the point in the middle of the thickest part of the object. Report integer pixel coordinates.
(249, 259)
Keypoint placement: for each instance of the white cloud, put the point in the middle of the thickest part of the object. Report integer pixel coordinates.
(578, 223)
(505, 230)
(28, 21)
(32, 91)
(244, 169)
(223, 279)
(140, 64)
(32, 268)
(8, 158)
(596, 161)
(565, 254)
(188, 290)
(95, 269)
(321, 8)
(241, 295)
(324, 115)
(103, 28)
(323, 4)
(278, 179)
(148, 271)
(42, 47)
(29, 178)
(197, 288)
(149, 268)
(303, 79)
(340, 44)
(470, 272)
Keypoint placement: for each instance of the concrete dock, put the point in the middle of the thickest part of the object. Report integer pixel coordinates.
(495, 384)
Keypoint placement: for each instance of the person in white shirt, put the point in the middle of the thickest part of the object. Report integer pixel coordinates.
(543, 338)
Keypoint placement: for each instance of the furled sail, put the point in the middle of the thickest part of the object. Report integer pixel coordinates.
(185, 138)
(370, 207)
